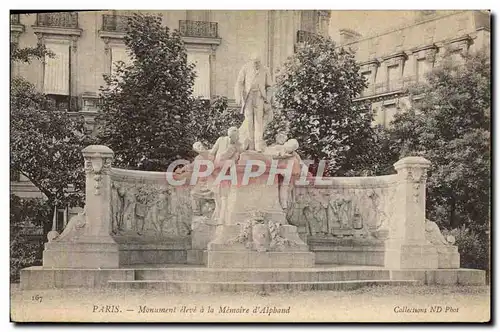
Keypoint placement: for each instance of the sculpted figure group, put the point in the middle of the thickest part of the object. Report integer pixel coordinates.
(253, 95)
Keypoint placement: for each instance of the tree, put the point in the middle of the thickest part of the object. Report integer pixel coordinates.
(146, 106)
(315, 90)
(46, 147)
(450, 126)
(46, 143)
(24, 214)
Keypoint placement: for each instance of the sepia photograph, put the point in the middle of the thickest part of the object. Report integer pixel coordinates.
(273, 165)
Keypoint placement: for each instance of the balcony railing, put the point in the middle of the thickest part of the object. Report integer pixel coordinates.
(201, 29)
(14, 19)
(306, 37)
(115, 23)
(57, 20)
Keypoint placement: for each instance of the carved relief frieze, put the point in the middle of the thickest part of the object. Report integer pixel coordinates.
(343, 212)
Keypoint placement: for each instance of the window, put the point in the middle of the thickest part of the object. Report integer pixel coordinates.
(202, 80)
(456, 57)
(308, 20)
(393, 78)
(367, 75)
(423, 67)
(57, 72)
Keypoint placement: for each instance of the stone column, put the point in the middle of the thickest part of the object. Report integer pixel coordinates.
(40, 65)
(73, 87)
(406, 246)
(86, 241)
(213, 71)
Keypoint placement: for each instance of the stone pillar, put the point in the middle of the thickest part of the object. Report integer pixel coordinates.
(98, 160)
(86, 241)
(213, 70)
(406, 246)
(73, 87)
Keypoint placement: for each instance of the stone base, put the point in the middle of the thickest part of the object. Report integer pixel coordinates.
(85, 254)
(347, 251)
(157, 254)
(411, 256)
(148, 249)
(254, 259)
(37, 277)
(197, 257)
(196, 278)
(448, 257)
(202, 235)
(351, 256)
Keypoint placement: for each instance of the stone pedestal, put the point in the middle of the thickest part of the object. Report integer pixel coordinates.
(200, 237)
(400, 255)
(255, 232)
(86, 241)
(407, 247)
(448, 257)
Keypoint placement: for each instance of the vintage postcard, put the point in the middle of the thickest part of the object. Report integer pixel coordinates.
(250, 166)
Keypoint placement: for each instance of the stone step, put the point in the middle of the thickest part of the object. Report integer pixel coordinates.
(263, 275)
(252, 286)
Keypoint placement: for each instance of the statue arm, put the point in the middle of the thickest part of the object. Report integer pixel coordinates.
(229, 152)
(215, 148)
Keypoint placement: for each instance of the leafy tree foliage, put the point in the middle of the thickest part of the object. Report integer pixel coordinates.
(211, 120)
(26, 54)
(24, 214)
(473, 247)
(450, 126)
(146, 107)
(315, 89)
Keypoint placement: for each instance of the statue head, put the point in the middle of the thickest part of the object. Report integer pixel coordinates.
(291, 145)
(256, 60)
(198, 147)
(233, 134)
(281, 138)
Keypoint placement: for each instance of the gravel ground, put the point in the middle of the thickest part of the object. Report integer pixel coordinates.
(369, 304)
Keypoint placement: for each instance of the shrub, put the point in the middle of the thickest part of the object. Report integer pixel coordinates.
(473, 247)
(26, 250)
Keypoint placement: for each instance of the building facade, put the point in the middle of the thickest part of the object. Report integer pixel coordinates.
(399, 57)
(86, 45)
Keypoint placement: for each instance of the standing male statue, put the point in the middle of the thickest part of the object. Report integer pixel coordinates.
(252, 93)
